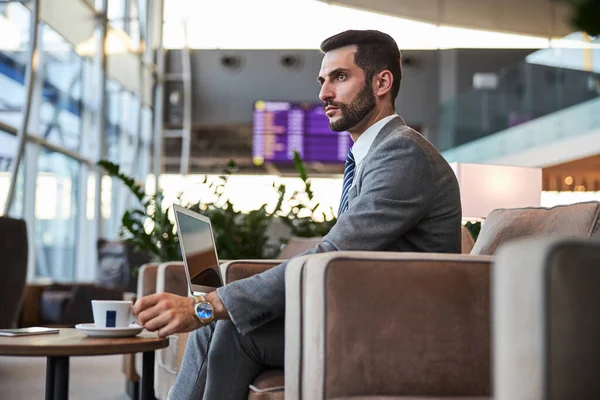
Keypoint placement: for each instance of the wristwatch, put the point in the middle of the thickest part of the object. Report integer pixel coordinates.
(203, 310)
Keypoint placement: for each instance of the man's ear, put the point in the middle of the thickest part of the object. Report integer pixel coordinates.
(383, 83)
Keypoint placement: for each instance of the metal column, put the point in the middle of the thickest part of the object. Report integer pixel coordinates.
(102, 109)
(186, 134)
(158, 98)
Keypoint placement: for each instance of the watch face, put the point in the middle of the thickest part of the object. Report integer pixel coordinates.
(204, 310)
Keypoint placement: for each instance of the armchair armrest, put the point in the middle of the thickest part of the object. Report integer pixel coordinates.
(382, 323)
(146, 285)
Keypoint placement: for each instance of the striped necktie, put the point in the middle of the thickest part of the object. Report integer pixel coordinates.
(348, 177)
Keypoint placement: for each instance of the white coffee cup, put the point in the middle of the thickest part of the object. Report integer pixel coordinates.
(112, 313)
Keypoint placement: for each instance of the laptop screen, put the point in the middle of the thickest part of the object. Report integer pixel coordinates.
(199, 251)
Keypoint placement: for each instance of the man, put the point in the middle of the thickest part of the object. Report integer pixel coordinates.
(399, 194)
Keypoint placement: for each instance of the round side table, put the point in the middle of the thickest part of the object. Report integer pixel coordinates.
(57, 348)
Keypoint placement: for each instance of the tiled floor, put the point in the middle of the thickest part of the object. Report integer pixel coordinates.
(93, 378)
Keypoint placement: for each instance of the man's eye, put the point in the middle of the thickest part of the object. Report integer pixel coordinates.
(341, 77)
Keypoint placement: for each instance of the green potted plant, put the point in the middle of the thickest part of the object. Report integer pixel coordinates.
(150, 229)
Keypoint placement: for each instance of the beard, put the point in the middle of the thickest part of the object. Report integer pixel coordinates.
(353, 113)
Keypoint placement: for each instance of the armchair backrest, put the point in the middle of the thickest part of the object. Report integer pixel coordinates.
(466, 240)
(13, 269)
(298, 245)
(579, 220)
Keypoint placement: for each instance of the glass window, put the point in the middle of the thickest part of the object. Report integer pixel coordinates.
(113, 128)
(146, 125)
(14, 39)
(111, 188)
(90, 145)
(8, 149)
(144, 158)
(57, 191)
(129, 131)
(62, 102)
(116, 12)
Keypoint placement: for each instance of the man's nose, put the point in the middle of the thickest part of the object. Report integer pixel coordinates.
(326, 92)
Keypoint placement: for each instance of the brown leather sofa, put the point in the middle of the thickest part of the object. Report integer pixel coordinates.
(381, 325)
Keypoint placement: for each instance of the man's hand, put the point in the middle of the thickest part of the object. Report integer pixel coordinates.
(166, 313)
(217, 305)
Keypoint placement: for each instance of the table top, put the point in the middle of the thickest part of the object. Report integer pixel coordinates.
(71, 342)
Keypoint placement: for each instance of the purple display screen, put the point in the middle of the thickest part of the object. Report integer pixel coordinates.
(279, 128)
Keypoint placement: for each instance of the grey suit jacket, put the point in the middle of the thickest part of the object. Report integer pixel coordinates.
(405, 198)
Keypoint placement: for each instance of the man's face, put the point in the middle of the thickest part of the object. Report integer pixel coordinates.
(346, 97)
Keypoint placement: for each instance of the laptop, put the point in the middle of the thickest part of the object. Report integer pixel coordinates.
(197, 243)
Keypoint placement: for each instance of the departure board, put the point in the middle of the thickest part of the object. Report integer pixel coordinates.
(279, 128)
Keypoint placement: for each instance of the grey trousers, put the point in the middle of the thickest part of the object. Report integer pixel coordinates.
(219, 362)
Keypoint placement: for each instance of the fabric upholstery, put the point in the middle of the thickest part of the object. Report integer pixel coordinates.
(409, 398)
(116, 264)
(32, 302)
(432, 319)
(240, 269)
(298, 245)
(576, 220)
(269, 379)
(275, 395)
(466, 239)
(53, 305)
(13, 269)
(171, 278)
(70, 304)
(146, 285)
(546, 319)
(147, 275)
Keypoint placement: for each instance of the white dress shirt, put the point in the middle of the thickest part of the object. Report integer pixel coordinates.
(363, 144)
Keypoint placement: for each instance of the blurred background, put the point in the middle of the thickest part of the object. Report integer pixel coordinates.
(176, 93)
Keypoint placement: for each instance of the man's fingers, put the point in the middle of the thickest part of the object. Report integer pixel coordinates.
(169, 329)
(145, 302)
(160, 320)
(148, 314)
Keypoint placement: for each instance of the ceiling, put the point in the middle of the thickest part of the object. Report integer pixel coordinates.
(547, 18)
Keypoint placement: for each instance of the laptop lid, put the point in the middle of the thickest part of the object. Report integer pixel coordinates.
(198, 250)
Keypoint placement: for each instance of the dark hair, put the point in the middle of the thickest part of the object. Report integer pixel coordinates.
(375, 52)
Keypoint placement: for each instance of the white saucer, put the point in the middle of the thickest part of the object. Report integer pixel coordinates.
(92, 331)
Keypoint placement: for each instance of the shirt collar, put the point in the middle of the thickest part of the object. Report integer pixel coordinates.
(363, 144)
